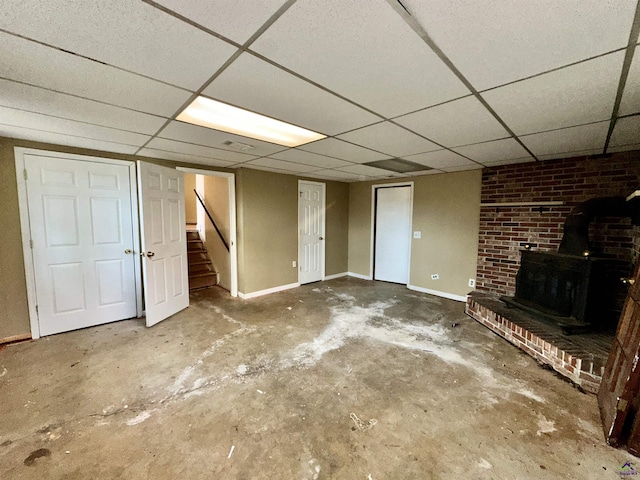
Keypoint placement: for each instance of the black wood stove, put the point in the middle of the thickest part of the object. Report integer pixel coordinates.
(575, 288)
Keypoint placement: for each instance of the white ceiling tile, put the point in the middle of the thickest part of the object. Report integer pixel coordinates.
(226, 156)
(300, 156)
(626, 132)
(35, 64)
(623, 148)
(367, 170)
(461, 168)
(439, 159)
(390, 139)
(39, 100)
(423, 172)
(281, 165)
(460, 122)
(571, 96)
(578, 153)
(494, 42)
(183, 157)
(63, 139)
(494, 163)
(631, 96)
(236, 20)
(324, 176)
(46, 123)
(333, 147)
(186, 132)
(129, 34)
(259, 86)
(567, 140)
(336, 175)
(496, 151)
(363, 51)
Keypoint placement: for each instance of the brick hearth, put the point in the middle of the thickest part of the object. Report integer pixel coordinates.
(580, 358)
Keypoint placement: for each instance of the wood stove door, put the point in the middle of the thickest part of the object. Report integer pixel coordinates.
(621, 378)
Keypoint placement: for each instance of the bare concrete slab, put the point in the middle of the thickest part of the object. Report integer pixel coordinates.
(344, 379)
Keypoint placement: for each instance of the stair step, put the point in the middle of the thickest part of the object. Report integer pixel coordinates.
(199, 255)
(201, 268)
(203, 280)
(204, 274)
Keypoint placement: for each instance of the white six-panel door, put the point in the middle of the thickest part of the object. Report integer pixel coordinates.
(164, 241)
(311, 226)
(80, 216)
(392, 234)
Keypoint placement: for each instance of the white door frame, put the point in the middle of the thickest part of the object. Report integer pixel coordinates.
(233, 248)
(372, 246)
(322, 222)
(25, 228)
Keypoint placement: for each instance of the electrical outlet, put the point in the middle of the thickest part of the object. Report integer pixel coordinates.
(417, 234)
(472, 283)
(293, 264)
(435, 276)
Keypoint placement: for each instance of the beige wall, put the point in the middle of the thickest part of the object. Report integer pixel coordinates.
(268, 236)
(446, 209)
(337, 228)
(14, 315)
(191, 211)
(216, 197)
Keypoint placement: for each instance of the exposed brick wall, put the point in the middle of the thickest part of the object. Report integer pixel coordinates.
(505, 230)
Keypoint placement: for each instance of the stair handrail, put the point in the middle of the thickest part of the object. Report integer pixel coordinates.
(226, 245)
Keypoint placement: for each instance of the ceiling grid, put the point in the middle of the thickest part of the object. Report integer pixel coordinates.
(390, 85)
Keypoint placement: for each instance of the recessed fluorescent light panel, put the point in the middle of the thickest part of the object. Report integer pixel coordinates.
(220, 116)
(398, 165)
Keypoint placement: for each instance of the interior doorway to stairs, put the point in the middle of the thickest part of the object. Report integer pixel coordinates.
(211, 217)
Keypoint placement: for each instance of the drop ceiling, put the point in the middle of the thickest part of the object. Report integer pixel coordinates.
(448, 85)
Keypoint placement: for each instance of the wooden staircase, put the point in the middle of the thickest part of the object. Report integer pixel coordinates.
(202, 273)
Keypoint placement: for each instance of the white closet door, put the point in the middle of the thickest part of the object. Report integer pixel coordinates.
(392, 234)
(82, 231)
(164, 241)
(311, 225)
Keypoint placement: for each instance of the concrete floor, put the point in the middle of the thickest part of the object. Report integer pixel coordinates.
(344, 379)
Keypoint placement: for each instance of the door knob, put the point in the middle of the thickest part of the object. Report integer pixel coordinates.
(628, 281)
(150, 254)
(128, 251)
(321, 238)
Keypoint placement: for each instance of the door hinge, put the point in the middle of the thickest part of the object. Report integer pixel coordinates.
(31, 244)
(36, 309)
(301, 193)
(24, 173)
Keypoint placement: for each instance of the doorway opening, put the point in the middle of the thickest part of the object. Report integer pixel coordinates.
(210, 210)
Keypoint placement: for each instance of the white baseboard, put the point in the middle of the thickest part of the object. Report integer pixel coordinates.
(450, 296)
(362, 277)
(267, 291)
(336, 275)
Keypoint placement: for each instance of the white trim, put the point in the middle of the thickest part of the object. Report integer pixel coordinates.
(358, 275)
(233, 244)
(450, 296)
(335, 275)
(267, 291)
(25, 228)
(323, 227)
(373, 223)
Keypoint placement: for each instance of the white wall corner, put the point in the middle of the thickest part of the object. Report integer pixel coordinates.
(267, 291)
(357, 275)
(335, 275)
